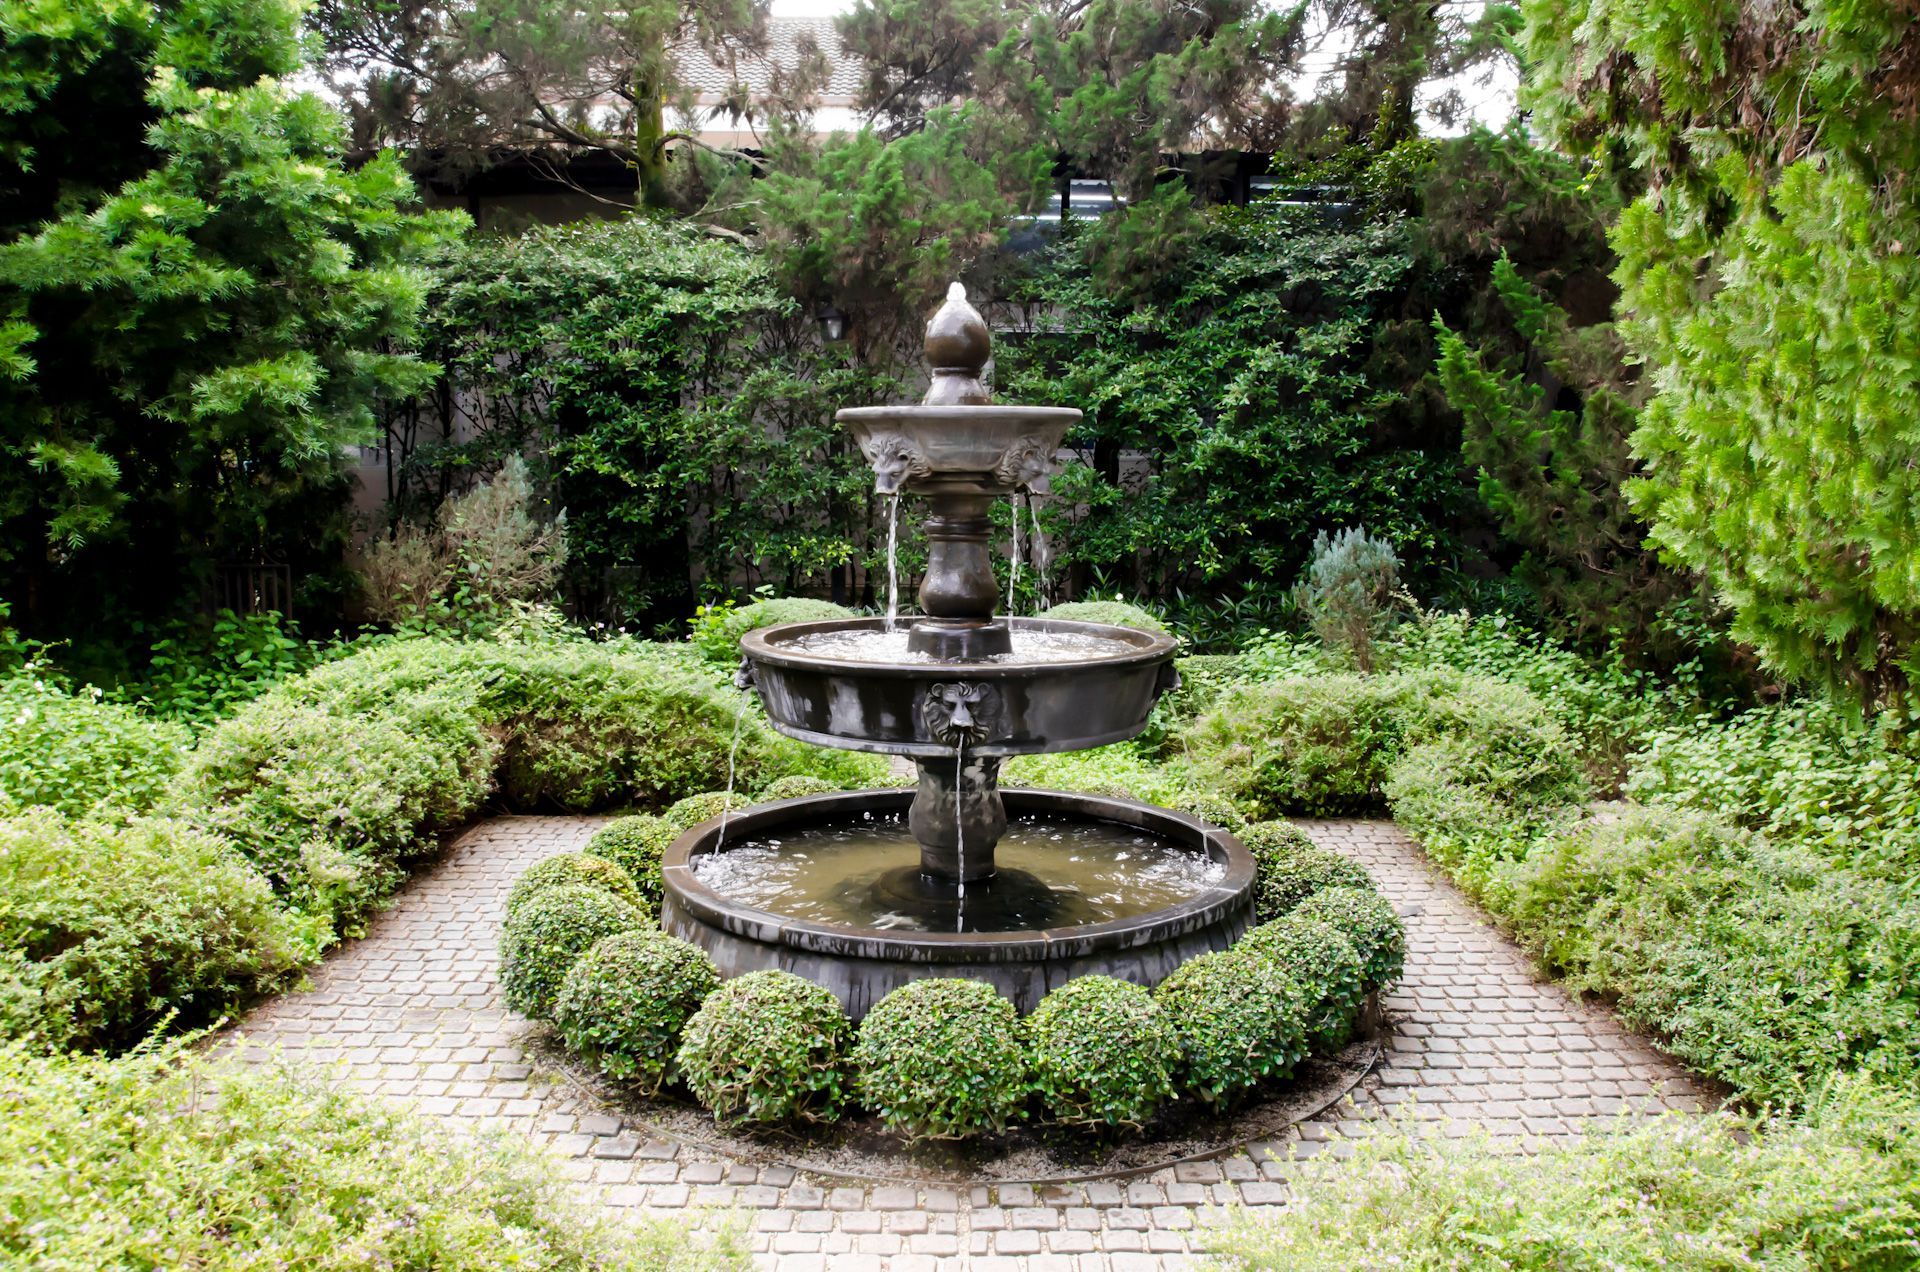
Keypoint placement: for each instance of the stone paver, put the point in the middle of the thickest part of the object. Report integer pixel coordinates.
(412, 1012)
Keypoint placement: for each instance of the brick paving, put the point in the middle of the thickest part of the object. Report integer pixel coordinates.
(412, 1012)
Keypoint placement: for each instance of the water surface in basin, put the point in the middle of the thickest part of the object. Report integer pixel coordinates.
(1030, 647)
(1053, 872)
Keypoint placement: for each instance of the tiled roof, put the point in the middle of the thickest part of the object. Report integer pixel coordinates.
(754, 70)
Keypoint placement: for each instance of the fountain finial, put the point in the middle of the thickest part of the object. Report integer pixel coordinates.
(958, 347)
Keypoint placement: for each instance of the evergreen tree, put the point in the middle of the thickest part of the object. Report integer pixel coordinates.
(202, 305)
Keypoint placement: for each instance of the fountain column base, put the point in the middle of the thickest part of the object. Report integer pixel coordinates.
(957, 817)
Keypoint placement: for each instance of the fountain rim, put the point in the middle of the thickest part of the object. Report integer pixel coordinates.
(1008, 411)
(766, 645)
(769, 927)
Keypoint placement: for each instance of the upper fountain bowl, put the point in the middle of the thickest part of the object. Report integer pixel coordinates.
(993, 449)
(1063, 686)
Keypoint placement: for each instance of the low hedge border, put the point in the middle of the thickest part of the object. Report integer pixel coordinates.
(947, 1058)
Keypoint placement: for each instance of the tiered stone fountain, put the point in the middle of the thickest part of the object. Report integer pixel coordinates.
(1025, 889)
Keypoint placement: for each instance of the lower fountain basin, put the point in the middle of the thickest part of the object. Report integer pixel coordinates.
(1125, 890)
(1087, 684)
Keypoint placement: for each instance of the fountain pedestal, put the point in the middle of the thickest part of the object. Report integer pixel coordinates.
(957, 817)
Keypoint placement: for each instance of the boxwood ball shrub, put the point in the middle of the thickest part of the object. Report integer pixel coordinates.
(767, 1047)
(636, 844)
(1367, 919)
(942, 1059)
(794, 786)
(1102, 1053)
(575, 868)
(1210, 807)
(1326, 966)
(625, 1001)
(690, 812)
(1240, 1019)
(540, 941)
(1289, 868)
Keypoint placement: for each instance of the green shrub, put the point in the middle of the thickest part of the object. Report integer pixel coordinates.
(1761, 964)
(942, 1059)
(78, 754)
(717, 629)
(1834, 1191)
(767, 1047)
(1240, 1020)
(690, 812)
(1102, 1053)
(143, 1169)
(327, 806)
(636, 844)
(1319, 746)
(1348, 593)
(796, 786)
(1209, 807)
(540, 941)
(1364, 917)
(104, 930)
(1119, 770)
(1203, 678)
(1289, 868)
(1113, 613)
(1323, 962)
(1812, 772)
(574, 868)
(625, 1001)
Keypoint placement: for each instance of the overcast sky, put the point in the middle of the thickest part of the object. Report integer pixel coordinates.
(1490, 96)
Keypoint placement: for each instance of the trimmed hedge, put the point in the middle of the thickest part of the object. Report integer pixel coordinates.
(625, 1001)
(942, 1059)
(768, 1047)
(104, 930)
(1324, 963)
(685, 814)
(636, 844)
(575, 868)
(1289, 868)
(540, 941)
(1367, 919)
(1240, 1020)
(717, 631)
(794, 786)
(1102, 1053)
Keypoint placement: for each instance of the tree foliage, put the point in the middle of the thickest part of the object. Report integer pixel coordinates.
(202, 306)
(1768, 277)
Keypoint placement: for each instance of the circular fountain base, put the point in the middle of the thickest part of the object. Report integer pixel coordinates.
(1086, 885)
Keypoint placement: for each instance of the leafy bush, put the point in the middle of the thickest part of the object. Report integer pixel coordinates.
(1209, 807)
(942, 1059)
(328, 805)
(1119, 770)
(540, 941)
(1240, 1019)
(690, 812)
(1114, 613)
(280, 1171)
(199, 672)
(795, 786)
(570, 869)
(1812, 772)
(768, 1047)
(1366, 918)
(1833, 1191)
(636, 844)
(1323, 962)
(105, 930)
(1317, 746)
(625, 1001)
(1761, 964)
(1102, 1053)
(1347, 593)
(718, 628)
(1289, 868)
(76, 753)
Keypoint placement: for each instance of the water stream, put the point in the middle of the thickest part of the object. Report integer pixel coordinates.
(960, 828)
(893, 560)
(1039, 540)
(733, 751)
(1019, 550)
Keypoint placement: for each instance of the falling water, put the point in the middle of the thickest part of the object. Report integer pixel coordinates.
(1019, 550)
(960, 828)
(1039, 541)
(893, 559)
(733, 750)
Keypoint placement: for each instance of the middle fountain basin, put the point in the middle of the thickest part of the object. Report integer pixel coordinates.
(1019, 707)
(861, 965)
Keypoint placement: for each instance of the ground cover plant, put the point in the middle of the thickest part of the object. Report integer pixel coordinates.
(165, 1159)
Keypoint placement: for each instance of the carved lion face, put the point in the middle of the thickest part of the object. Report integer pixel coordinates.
(959, 710)
(895, 461)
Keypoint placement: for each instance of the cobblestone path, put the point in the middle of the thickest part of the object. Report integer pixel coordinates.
(411, 1012)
